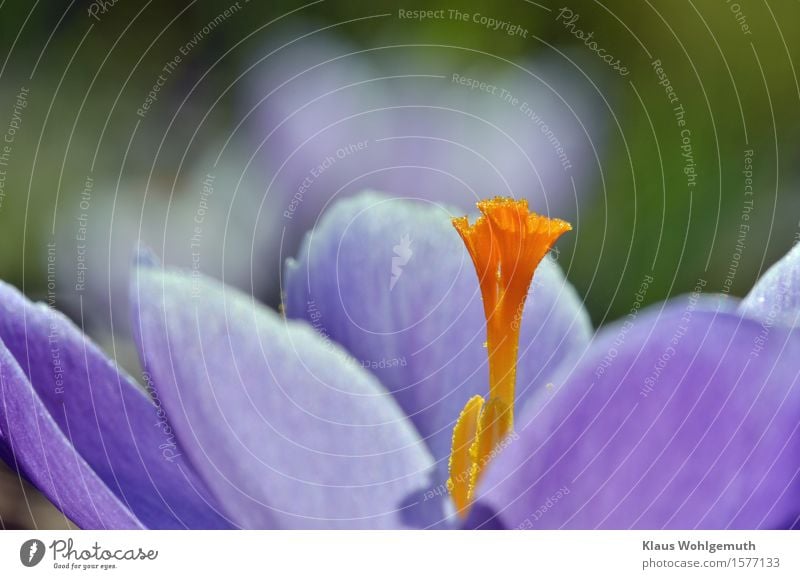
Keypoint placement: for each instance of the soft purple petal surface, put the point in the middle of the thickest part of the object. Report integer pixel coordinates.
(690, 421)
(110, 421)
(35, 445)
(775, 299)
(391, 281)
(287, 430)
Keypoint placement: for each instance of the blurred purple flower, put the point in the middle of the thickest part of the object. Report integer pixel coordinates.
(343, 418)
(326, 121)
(333, 120)
(200, 218)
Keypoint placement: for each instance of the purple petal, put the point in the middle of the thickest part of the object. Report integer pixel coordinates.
(111, 423)
(286, 430)
(690, 422)
(775, 299)
(35, 445)
(391, 281)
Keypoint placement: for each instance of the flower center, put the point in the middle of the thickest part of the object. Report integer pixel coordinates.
(506, 244)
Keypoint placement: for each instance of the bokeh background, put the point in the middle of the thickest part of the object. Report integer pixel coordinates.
(217, 132)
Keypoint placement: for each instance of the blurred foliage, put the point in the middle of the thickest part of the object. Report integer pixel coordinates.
(739, 91)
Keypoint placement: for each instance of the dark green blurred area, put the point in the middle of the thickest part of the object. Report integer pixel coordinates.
(739, 90)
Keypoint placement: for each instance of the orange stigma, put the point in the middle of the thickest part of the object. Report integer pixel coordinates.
(506, 244)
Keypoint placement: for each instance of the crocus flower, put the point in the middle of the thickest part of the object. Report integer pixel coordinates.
(345, 417)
